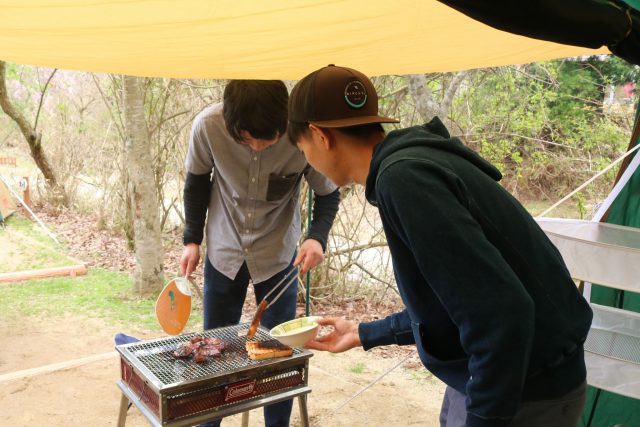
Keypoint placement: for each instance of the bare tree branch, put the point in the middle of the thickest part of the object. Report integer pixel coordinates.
(116, 118)
(447, 100)
(34, 139)
(44, 90)
(358, 248)
(166, 119)
(373, 276)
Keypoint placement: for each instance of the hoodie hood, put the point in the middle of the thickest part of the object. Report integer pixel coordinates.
(432, 135)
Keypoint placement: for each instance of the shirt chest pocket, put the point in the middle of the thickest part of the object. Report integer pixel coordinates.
(281, 185)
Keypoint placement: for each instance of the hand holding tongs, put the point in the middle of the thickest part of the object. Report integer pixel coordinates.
(264, 304)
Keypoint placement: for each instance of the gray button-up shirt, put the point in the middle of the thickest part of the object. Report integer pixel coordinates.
(253, 213)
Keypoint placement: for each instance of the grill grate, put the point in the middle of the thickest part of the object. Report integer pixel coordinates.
(157, 355)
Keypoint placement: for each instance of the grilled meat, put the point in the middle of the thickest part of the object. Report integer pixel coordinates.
(201, 349)
(208, 350)
(200, 357)
(184, 351)
(215, 342)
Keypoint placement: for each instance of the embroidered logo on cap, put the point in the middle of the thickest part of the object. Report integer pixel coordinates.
(355, 94)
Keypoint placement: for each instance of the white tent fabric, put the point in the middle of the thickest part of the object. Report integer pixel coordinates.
(284, 39)
(612, 351)
(609, 255)
(596, 252)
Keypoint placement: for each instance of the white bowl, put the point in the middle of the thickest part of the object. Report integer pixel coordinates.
(296, 332)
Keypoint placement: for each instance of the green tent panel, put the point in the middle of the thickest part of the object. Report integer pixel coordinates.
(605, 409)
(633, 3)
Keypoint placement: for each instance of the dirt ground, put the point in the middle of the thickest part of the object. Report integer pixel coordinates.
(63, 372)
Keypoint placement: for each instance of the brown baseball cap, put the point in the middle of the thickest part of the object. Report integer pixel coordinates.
(335, 97)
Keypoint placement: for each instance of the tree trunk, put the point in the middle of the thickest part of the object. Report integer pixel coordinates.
(423, 98)
(33, 137)
(149, 275)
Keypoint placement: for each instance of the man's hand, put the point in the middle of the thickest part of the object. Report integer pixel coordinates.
(309, 255)
(190, 259)
(343, 337)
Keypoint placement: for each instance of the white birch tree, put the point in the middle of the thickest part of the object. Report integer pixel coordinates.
(149, 274)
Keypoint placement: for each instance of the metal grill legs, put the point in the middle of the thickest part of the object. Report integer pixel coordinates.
(302, 405)
(304, 416)
(122, 416)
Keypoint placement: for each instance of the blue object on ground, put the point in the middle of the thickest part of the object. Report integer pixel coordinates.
(121, 338)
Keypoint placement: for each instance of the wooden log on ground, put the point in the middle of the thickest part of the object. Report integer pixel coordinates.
(16, 276)
(26, 373)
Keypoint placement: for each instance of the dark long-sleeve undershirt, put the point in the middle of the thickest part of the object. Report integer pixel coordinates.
(197, 190)
(325, 209)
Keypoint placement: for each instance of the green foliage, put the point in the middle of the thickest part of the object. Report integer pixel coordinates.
(545, 125)
(580, 204)
(578, 93)
(498, 152)
(615, 70)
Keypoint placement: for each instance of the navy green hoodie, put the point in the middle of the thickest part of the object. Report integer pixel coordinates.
(489, 302)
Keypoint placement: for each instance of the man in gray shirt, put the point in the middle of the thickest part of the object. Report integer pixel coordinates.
(252, 201)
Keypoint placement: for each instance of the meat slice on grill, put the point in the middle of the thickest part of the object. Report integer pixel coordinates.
(200, 357)
(201, 348)
(216, 342)
(203, 353)
(209, 350)
(184, 351)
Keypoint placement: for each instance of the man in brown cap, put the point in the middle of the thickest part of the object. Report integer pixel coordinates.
(489, 302)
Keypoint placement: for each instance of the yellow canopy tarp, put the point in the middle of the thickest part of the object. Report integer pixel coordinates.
(282, 39)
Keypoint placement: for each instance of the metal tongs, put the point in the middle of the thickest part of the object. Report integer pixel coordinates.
(264, 304)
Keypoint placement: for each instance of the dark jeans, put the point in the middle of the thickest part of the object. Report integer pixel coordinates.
(223, 301)
(564, 411)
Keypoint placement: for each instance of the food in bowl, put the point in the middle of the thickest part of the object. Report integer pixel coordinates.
(296, 332)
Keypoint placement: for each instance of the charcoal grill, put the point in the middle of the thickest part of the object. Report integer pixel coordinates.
(181, 392)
